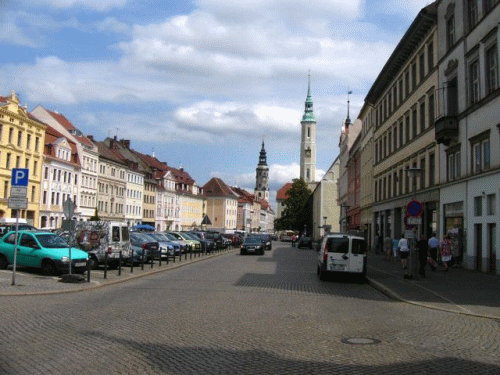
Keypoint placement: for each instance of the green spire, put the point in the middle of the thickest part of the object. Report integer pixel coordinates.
(308, 112)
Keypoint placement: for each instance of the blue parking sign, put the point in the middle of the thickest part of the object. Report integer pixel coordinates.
(19, 176)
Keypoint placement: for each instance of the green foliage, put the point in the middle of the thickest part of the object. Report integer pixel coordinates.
(95, 217)
(295, 215)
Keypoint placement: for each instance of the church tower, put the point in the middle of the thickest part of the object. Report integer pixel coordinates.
(308, 140)
(262, 176)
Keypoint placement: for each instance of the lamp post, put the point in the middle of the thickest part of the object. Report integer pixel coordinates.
(412, 269)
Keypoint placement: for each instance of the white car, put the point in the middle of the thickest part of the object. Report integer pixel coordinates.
(342, 254)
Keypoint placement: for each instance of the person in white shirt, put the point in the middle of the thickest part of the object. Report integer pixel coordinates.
(404, 251)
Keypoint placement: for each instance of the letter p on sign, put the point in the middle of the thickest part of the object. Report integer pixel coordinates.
(20, 176)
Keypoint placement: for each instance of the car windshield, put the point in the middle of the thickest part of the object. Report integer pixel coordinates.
(190, 236)
(159, 237)
(195, 236)
(171, 237)
(51, 241)
(338, 245)
(252, 240)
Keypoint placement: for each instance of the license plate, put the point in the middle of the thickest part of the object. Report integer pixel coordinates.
(251, 249)
(337, 267)
(80, 264)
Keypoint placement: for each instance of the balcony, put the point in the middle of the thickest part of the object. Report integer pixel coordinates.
(446, 129)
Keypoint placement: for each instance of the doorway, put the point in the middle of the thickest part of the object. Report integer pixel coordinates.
(478, 241)
(492, 247)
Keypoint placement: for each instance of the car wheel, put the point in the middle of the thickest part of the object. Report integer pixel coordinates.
(3, 262)
(48, 268)
(242, 252)
(318, 271)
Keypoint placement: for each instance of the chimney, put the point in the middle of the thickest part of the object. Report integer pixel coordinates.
(91, 137)
(125, 143)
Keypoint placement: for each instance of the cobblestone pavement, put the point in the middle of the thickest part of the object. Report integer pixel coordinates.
(235, 314)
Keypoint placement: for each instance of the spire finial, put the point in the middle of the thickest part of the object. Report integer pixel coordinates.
(309, 83)
(348, 120)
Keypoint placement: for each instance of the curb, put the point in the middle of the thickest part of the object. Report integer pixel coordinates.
(391, 294)
(102, 285)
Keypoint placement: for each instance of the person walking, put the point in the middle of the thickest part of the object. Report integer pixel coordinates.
(423, 250)
(446, 251)
(387, 248)
(404, 251)
(395, 248)
(433, 250)
(294, 238)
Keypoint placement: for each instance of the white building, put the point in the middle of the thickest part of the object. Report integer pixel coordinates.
(467, 129)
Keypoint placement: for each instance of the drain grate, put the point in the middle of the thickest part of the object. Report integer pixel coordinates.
(360, 341)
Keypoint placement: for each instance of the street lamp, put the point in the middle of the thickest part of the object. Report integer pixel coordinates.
(412, 269)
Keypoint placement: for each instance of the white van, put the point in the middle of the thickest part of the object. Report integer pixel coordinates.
(342, 254)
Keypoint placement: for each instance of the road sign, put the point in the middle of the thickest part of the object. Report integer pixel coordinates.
(18, 203)
(19, 177)
(414, 220)
(414, 208)
(68, 209)
(18, 191)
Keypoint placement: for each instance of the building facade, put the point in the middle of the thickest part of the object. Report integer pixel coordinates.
(222, 205)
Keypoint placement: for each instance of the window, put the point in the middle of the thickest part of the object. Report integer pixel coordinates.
(28, 141)
(421, 66)
(474, 81)
(491, 69)
(37, 143)
(400, 90)
(407, 127)
(478, 206)
(11, 134)
(395, 138)
(472, 13)
(414, 122)
(414, 75)
(450, 31)
(453, 163)
(46, 173)
(490, 204)
(480, 147)
(401, 133)
(452, 97)
(407, 83)
(18, 161)
(422, 117)
(431, 110)
(432, 166)
(430, 56)
(395, 185)
(44, 199)
(33, 191)
(7, 161)
(53, 198)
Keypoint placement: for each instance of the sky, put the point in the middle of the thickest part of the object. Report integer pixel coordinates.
(201, 83)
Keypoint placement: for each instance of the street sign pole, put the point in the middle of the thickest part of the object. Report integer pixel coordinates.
(69, 211)
(18, 201)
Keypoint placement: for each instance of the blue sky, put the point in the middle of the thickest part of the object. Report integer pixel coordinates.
(201, 83)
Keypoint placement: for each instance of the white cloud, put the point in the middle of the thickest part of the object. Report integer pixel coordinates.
(111, 24)
(406, 9)
(98, 5)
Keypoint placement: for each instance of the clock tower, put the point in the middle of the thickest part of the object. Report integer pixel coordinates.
(262, 176)
(308, 140)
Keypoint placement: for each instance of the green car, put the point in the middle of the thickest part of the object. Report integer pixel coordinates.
(44, 250)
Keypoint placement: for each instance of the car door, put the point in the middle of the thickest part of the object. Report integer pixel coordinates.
(338, 254)
(28, 251)
(356, 259)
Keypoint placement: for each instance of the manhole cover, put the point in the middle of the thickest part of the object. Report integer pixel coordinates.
(360, 341)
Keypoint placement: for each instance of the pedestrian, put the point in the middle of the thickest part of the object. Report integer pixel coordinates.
(377, 241)
(423, 250)
(294, 238)
(387, 248)
(395, 248)
(404, 251)
(446, 251)
(433, 250)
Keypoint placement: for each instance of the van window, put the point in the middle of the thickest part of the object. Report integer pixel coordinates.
(125, 236)
(338, 245)
(358, 246)
(115, 234)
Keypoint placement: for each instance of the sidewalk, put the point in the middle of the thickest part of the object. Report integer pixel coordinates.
(458, 290)
(33, 283)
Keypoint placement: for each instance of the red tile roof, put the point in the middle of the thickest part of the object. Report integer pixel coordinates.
(282, 193)
(69, 126)
(51, 136)
(217, 188)
(110, 153)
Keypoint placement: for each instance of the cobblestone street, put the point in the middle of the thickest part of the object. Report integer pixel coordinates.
(237, 314)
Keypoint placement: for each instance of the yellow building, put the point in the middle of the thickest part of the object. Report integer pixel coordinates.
(222, 205)
(22, 140)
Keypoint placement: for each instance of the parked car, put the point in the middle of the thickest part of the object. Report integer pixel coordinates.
(139, 243)
(181, 243)
(8, 224)
(342, 254)
(305, 242)
(167, 247)
(194, 245)
(207, 245)
(40, 249)
(253, 245)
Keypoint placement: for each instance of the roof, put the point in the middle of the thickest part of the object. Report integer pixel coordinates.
(110, 153)
(69, 126)
(281, 195)
(417, 31)
(217, 188)
(51, 136)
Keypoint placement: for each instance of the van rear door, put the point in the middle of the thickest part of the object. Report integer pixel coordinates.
(357, 257)
(338, 254)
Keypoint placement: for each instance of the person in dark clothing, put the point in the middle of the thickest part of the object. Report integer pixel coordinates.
(422, 247)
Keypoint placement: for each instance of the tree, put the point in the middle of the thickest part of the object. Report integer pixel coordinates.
(295, 215)
(95, 217)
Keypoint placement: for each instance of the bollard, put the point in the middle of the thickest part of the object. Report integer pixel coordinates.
(88, 270)
(131, 261)
(191, 254)
(180, 255)
(142, 260)
(168, 256)
(120, 264)
(105, 264)
(186, 254)
(153, 259)
(159, 261)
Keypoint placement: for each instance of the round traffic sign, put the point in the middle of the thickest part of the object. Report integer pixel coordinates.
(414, 208)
